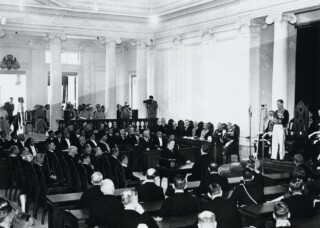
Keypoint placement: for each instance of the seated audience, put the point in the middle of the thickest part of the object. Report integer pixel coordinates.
(4, 143)
(50, 138)
(60, 144)
(99, 114)
(299, 162)
(299, 205)
(20, 141)
(124, 161)
(131, 138)
(162, 126)
(194, 129)
(40, 122)
(158, 141)
(133, 214)
(30, 144)
(248, 192)
(205, 133)
(253, 166)
(207, 219)
(281, 215)
(201, 165)
(86, 114)
(22, 220)
(92, 141)
(48, 176)
(149, 186)
(145, 143)
(122, 139)
(220, 207)
(86, 162)
(104, 146)
(92, 194)
(213, 177)
(180, 203)
(171, 153)
(188, 127)
(105, 209)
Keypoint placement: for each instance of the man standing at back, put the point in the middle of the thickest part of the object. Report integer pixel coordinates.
(152, 108)
(9, 107)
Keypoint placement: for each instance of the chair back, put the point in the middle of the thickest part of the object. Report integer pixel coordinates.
(83, 176)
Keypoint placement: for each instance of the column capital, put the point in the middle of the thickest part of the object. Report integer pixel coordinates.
(36, 44)
(206, 33)
(177, 39)
(111, 41)
(281, 17)
(55, 37)
(142, 43)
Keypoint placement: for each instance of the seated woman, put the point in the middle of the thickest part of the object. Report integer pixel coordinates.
(205, 133)
(40, 116)
(199, 130)
(195, 128)
(99, 114)
(4, 123)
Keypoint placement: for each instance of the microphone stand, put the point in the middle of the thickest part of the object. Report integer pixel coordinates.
(250, 118)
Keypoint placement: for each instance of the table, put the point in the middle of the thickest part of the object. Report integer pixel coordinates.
(171, 172)
(77, 217)
(215, 149)
(261, 209)
(274, 190)
(57, 204)
(231, 180)
(276, 178)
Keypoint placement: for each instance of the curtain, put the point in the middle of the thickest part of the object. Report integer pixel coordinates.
(64, 89)
(308, 66)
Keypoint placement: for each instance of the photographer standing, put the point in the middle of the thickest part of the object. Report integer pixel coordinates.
(152, 107)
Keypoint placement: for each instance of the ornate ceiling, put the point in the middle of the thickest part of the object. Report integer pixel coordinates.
(121, 7)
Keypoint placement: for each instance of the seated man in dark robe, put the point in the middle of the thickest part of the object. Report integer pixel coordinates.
(248, 192)
(220, 207)
(180, 203)
(92, 194)
(171, 153)
(148, 186)
(124, 161)
(281, 215)
(133, 214)
(105, 210)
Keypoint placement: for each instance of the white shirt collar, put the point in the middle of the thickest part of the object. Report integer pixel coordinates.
(283, 223)
(178, 191)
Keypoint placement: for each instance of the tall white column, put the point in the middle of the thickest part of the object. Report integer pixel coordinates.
(280, 51)
(111, 89)
(142, 78)
(38, 75)
(86, 90)
(55, 81)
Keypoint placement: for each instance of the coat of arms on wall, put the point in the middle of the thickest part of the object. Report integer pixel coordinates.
(9, 62)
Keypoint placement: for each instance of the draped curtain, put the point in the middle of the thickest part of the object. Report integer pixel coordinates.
(308, 66)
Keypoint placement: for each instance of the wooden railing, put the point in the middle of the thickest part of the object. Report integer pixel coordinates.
(140, 124)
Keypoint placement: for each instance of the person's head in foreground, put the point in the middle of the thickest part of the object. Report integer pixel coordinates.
(214, 190)
(22, 220)
(296, 186)
(107, 187)
(96, 178)
(179, 183)
(130, 200)
(5, 209)
(281, 214)
(207, 219)
(151, 174)
(298, 159)
(213, 167)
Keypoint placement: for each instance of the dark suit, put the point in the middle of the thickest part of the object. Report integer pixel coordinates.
(89, 172)
(149, 192)
(179, 204)
(162, 128)
(89, 196)
(299, 206)
(156, 142)
(167, 154)
(132, 140)
(188, 131)
(104, 210)
(131, 219)
(52, 162)
(92, 143)
(121, 141)
(214, 178)
(4, 143)
(226, 212)
(241, 197)
(129, 175)
(20, 144)
(49, 140)
(60, 145)
(9, 108)
(200, 167)
(144, 144)
(103, 147)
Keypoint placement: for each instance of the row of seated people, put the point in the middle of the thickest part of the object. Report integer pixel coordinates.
(106, 209)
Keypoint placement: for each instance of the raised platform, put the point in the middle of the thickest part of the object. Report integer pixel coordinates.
(271, 166)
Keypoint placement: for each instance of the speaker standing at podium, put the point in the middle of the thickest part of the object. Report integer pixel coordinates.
(280, 120)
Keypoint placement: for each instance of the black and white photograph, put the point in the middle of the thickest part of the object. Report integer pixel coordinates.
(159, 113)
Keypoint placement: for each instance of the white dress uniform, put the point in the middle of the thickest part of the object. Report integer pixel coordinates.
(278, 134)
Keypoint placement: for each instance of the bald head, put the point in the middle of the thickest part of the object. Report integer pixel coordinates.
(96, 178)
(107, 187)
(151, 174)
